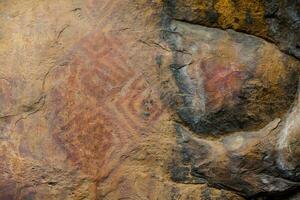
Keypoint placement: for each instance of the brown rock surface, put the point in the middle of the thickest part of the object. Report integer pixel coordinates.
(274, 20)
(116, 100)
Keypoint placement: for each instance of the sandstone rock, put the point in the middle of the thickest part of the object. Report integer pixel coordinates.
(237, 81)
(228, 96)
(248, 162)
(102, 99)
(275, 20)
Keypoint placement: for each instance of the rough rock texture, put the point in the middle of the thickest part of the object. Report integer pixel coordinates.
(141, 99)
(234, 80)
(275, 20)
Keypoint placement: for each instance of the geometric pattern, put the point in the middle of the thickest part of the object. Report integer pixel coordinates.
(102, 104)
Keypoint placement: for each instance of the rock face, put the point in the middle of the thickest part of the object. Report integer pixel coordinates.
(131, 99)
(234, 80)
(275, 20)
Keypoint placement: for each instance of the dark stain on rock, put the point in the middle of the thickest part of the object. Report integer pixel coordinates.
(212, 16)
(271, 7)
(179, 174)
(206, 194)
(248, 19)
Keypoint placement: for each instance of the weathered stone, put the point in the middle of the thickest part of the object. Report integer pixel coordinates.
(275, 20)
(237, 81)
(236, 97)
(247, 162)
(89, 92)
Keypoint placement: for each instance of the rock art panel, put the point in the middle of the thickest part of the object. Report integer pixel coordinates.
(237, 108)
(149, 99)
(117, 104)
(234, 80)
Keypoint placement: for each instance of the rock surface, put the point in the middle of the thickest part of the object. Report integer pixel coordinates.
(149, 99)
(274, 20)
(234, 80)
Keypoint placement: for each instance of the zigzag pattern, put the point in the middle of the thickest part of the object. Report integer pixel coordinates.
(118, 104)
(134, 104)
